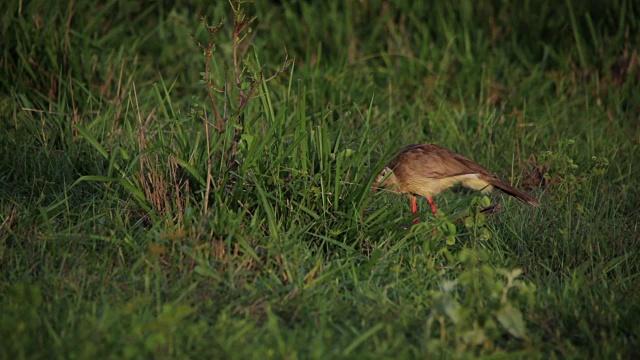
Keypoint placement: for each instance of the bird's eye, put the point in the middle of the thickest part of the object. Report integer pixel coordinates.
(383, 173)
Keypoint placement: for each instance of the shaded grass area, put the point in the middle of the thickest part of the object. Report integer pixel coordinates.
(106, 249)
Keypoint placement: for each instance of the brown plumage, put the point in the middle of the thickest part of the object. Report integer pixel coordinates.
(427, 170)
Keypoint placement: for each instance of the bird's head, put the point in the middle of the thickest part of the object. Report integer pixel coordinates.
(386, 179)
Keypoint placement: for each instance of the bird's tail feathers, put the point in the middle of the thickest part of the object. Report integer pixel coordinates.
(510, 190)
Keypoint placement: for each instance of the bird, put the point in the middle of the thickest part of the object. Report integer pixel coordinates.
(428, 169)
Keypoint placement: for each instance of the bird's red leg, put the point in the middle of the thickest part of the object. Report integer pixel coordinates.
(414, 209)
(434, 210)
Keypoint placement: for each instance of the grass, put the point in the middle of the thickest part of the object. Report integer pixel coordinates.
(129, 229)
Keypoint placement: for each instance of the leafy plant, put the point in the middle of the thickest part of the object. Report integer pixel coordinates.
(159, 178)
(479, 306)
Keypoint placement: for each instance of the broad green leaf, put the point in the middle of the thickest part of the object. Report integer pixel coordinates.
(511, 319)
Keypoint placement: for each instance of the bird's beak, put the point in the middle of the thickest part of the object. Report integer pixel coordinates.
(375, 187)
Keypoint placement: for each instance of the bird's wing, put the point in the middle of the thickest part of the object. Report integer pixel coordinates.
(433, 161)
